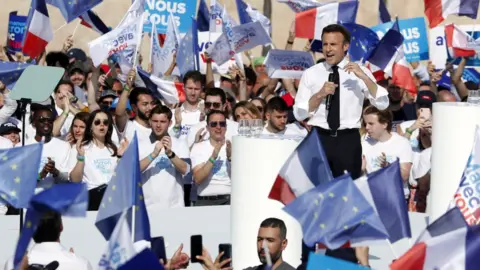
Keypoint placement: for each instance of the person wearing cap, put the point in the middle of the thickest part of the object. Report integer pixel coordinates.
(106, 99)
(423, 107)
(259, 66)
(77, 73)
(76, 54)
(11, 132)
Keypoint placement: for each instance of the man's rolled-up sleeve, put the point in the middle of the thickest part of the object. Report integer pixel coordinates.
(300, 108)
(380, 101)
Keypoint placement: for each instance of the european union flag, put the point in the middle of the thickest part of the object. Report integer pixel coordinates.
(187, 55)
(66, 199)
(363, 41)
(10, 72)
(203, 17)
(242, 12)
(19, 167)
(335, 213)
(387, 47)
(71, 9)
(125, 192)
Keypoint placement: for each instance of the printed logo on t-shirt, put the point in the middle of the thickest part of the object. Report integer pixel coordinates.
(414, 143)
(185, 129)
(375, 164)
(44, 161)
(104, 165)
(220, 168)
(163, 162)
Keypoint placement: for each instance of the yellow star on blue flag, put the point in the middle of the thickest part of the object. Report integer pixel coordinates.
(187, 57)
(71, 9)
(124, 192)
(10, 72)
(19, 165)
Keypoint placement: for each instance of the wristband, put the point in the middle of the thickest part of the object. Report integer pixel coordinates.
(172, 155)
(126, 88)
(290, 42)
(150, 157)
(80, 158)
(211, 160)
(65, 113)
(409, 131)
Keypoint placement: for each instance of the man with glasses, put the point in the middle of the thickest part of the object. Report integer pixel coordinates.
(215, 99)
(211, 160)
(107, 98)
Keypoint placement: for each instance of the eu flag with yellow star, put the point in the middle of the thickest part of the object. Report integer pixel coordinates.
(363, 41)
(19, 167)
(69, 199)
(187, 54)
(125, 191)
(334, 213)
(10, 72)
(71, 9)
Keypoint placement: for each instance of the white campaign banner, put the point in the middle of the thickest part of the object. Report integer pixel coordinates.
(203, 45)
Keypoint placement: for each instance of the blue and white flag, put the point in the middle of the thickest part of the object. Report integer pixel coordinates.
(120, 247)
(287, 63)
(135, 11)
(215, 17)
(162, 57)
(301, 5)
(257, 16)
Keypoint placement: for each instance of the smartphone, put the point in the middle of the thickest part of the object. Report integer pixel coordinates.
(158, 247)
(227, 253)
(425, 113)
(196, 248)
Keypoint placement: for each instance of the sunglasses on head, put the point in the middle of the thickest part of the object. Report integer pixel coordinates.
(215, 105)
(98, 122)
(44, 120)
(215, 124)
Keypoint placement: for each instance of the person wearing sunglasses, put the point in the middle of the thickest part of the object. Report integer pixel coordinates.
(55, 153)
(215, 99)
(211, 163)
(95, 157)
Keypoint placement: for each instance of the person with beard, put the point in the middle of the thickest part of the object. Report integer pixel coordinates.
(277, 115)
(96, 157)
(142, 103)
(274, 232)
(161, 164)
(77, 73)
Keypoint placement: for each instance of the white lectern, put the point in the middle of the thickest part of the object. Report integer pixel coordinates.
(255, 165)
(452, 139)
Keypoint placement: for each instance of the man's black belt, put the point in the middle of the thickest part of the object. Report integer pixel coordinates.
(214, 197)
(334, 133)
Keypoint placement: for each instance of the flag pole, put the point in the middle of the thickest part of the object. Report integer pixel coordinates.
(63, 25)
(76, 27)
(133, 216)
(151, 43)
(392, 249)
(139, 45)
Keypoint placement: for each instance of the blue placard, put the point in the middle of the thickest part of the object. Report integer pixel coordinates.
(322, 262)
(415, 33)
(472, 61)
(16, 31)
(159, 10)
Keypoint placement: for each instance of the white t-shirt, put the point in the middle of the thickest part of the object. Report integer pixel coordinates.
(422, 163)
(189, 119)
(218, 181)
(47, 252)
(414, 137)
(163, 184)
(66, 125)
(99, 165)
(143, 133)
(5, 143)
(232, 130)
(396, 147)
(58, 151)
(290, 129)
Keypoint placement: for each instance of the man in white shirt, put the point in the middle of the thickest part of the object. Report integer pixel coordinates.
(382, 146)
(211, 163)
(277, 116)
(162, 169)
(344, 85)
(142, 103)
(215, 99)
(47, 247)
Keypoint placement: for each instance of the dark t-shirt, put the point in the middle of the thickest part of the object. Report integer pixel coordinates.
(283, 266)
(406, 113)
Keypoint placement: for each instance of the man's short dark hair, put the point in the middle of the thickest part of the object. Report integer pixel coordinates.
(61, 58)
(336, 28)
(471, 85)
(194, 75)
(49, 228)
(275, 223)
(161, 109)
(213, 112)
(250, 75)
(276, 104)
(216, 92)
(62, 82)
(136, 92)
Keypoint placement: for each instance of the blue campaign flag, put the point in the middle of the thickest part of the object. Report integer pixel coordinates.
(10, 72)
(387, 47)
(363, 41)
(16, 32)
(125, 192)
(242, 12)
(318, 210)
(384, 16)
(143, 260)
(386, 189)
(19, 167)
(159, 10)
(203, 17)
(322, 262)
(187, 55)
(414, 31)
(72, 9)
(66, 199)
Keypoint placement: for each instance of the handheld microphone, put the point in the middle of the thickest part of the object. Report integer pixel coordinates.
(52, 266)
(328, 100)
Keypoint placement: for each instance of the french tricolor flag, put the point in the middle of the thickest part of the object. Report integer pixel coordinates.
(168, 91)
(390, 57)
(448, 243)
(438, 10)
(457, 42)
(309, 24)
(39, 31)
(92, 21)
(306, 168)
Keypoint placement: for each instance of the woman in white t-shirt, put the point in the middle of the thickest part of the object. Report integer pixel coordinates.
(96, 156)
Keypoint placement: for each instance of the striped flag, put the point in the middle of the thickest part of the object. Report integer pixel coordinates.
(92, 21)
(39, 31)
(438, 10)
